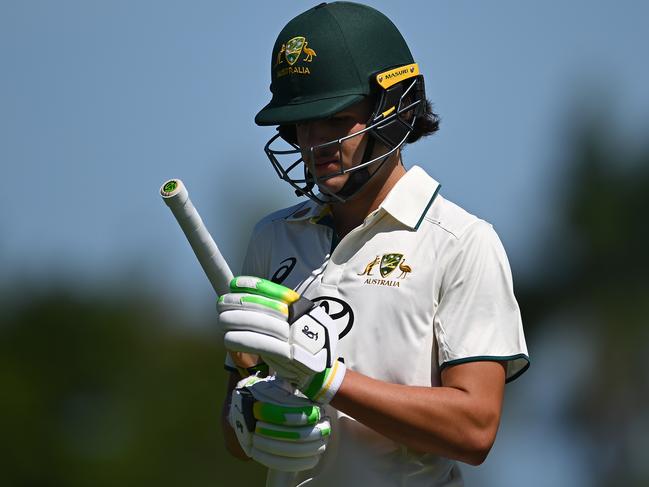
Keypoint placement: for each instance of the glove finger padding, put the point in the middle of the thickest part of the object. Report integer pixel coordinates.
(285, 464)
(253, 302)
(290, 449)
(296, 441)
(253, 323)
(276, 427)
(237, 314)
(286, 415)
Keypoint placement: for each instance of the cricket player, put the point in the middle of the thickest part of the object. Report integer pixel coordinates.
(384, 313)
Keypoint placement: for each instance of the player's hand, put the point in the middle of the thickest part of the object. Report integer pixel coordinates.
(275, 427)
(292, 335)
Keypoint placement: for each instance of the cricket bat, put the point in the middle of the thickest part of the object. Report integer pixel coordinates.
(175, 195)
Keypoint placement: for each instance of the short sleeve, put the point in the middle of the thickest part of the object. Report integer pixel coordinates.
(478, 317)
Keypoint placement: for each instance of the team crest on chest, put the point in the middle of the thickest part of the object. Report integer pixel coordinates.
(387, 263)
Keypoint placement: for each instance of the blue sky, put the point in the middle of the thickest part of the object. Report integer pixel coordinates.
(101, 101)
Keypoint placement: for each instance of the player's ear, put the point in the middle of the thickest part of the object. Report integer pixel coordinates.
(288, 133)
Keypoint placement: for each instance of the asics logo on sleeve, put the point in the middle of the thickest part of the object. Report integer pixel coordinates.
(284, 269)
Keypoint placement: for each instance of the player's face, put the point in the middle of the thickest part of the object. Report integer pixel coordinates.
(335, 158)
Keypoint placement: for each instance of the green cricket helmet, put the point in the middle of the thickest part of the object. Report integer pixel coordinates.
(325, 60)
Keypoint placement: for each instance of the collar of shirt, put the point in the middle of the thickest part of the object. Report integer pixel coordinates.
(408, 201)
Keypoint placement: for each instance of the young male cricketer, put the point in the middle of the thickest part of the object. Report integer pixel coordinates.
(398, 359)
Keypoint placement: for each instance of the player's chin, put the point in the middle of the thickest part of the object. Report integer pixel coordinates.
(333, 184)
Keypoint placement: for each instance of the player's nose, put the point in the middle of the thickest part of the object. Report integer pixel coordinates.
(314, 133)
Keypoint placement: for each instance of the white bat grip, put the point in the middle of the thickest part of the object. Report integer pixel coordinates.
(277, 478)
(216, 269)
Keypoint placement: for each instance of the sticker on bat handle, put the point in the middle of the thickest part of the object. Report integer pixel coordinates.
(170, 187)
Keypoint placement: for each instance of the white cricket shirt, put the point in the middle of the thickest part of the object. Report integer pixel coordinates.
(420, 285)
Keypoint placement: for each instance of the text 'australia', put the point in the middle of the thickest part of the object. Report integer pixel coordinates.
(381, 282)
(293, 70)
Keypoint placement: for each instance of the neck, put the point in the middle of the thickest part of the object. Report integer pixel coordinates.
(351, 214)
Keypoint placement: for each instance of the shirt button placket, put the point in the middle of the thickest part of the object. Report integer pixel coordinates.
(334, 272)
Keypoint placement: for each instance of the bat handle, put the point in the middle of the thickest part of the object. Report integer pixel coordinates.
(278, 478)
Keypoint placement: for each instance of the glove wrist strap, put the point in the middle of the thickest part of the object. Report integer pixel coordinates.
(325, 385)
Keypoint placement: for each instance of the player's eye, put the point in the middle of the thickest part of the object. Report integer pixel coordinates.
(342, 119)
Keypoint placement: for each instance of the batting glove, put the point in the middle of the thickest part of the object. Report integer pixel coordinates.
(275, 427)
(292, 335)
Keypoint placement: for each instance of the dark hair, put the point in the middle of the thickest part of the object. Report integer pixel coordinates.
(425, 124)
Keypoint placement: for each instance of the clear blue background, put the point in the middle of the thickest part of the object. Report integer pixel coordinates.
(101, 101)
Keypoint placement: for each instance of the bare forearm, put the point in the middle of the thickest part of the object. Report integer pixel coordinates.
(447, 421)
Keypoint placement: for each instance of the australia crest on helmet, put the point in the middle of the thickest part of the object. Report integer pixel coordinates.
(293, 49)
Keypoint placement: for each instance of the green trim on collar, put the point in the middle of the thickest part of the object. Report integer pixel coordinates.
(423, 214)
(412, 195)
(492, 358)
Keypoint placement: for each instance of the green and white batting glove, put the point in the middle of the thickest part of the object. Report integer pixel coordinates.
(277, 428)
(292, 335)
